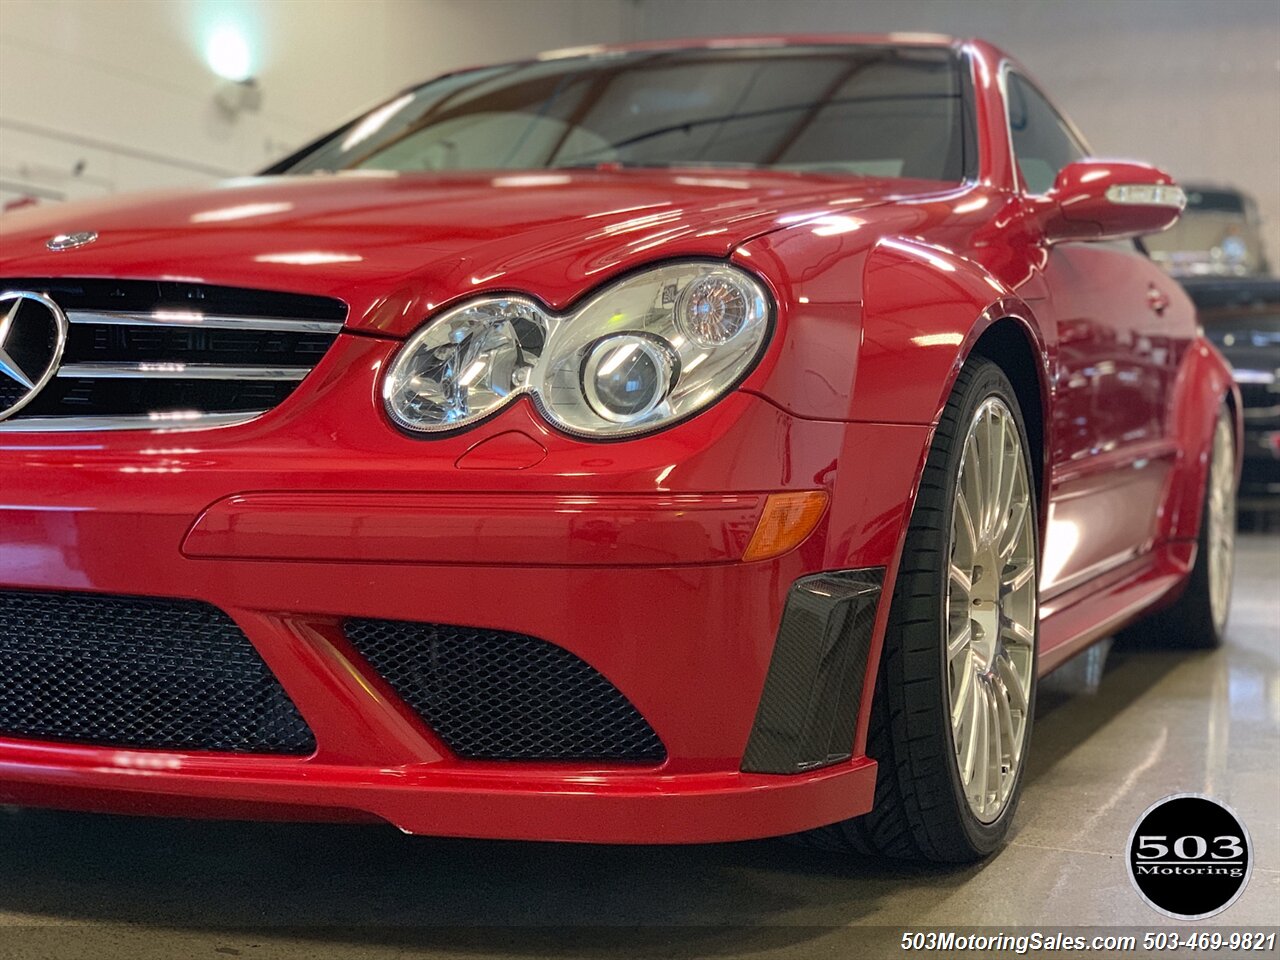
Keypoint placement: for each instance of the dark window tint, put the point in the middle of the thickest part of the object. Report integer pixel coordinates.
(1215, 201)
(878, 111)
(1042, 144)
(1261, 293)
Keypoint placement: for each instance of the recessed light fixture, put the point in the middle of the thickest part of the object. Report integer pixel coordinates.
(227, 53)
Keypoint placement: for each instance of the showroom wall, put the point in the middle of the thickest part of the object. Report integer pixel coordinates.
(1187, 84)
(99, 96)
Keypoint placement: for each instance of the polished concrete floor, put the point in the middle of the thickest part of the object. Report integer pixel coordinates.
(1115, 731)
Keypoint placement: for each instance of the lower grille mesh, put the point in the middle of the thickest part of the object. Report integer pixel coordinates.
(138, 672)
(491, 695)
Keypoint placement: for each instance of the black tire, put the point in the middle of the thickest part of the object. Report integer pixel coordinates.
(920, 810)
(1189, 623)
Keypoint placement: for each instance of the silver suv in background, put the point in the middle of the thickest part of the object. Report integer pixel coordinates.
(1219, 235)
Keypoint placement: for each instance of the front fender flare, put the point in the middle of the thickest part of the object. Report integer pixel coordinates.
(924, 309)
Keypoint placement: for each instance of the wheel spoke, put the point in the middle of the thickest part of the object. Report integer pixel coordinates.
(1008, 732)
(1016, 576)
(1012, 683)
(1016, 632)
(965, 519)
(972, 733)
(973, 473)
(995, 452)
(1009, 481)
(961, 579)
(996, 754)
(960, 640)
(1013, 531)
(982, 739)
(960, 697)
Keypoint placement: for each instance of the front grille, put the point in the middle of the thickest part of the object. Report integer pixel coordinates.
(11, 391)
(491, 695)
(138, 672)
(162, 354)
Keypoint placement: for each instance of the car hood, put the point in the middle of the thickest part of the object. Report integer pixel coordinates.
(395, 247)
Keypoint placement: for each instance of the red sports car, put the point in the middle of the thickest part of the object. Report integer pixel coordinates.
(680, 442)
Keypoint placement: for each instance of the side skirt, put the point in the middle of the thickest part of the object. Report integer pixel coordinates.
(1093, 610)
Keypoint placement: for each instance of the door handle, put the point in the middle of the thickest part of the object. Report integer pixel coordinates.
(1157, 301)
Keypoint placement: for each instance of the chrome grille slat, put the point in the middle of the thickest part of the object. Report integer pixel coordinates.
(169, 355)
(175, 420)
(197, 320)
(179, 371)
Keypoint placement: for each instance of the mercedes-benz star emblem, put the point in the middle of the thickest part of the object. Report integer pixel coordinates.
(69, 241)
(33, 331)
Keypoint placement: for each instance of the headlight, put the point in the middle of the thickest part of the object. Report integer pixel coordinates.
(640, 354)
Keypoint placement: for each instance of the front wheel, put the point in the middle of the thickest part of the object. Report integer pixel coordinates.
(951, 718)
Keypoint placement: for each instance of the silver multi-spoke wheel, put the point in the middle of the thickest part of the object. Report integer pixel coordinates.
(991, 609)
(1221, 535)
(955, 689)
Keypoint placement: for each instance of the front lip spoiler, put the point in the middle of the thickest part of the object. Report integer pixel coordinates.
(515, 802)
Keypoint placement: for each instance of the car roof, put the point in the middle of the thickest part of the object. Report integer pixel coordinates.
(765, 41)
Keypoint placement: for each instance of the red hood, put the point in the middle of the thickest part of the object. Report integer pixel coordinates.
(395, 247)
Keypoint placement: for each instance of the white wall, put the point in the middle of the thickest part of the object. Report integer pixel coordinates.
(1192, 85)
(122, 86)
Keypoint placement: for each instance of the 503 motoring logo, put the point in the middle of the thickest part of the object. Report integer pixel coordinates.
(1189, 856)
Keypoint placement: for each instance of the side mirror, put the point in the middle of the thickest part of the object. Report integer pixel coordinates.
(1109, 200)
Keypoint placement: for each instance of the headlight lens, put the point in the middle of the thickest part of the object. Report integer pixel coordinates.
(640, 354)
(627, 376)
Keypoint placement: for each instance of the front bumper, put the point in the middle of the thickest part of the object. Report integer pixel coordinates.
(572, 806)
(624, 554)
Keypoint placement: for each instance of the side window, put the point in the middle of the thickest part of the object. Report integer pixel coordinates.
(1042, 144)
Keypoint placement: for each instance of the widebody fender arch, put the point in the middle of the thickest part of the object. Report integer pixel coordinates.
(924, 310)
(876, 330)
(1204, 379)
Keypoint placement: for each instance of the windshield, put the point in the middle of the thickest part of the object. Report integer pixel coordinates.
(876, 111)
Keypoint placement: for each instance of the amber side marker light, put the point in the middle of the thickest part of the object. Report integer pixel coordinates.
(786, 520)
